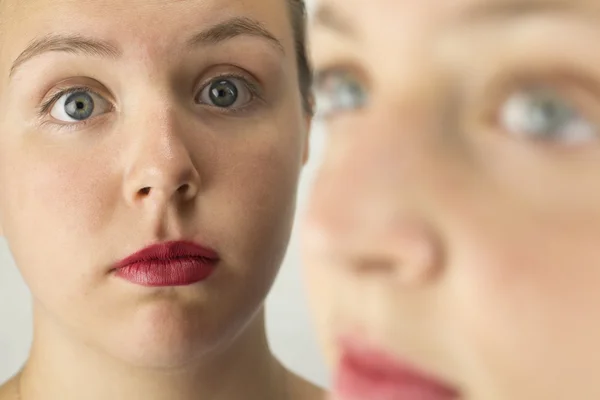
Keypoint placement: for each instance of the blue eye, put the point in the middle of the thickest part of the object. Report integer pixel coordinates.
(543, 114)
(338, 92)
(227, 93)
(78, 105)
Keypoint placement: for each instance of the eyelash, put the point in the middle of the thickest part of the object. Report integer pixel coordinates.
(47, 105)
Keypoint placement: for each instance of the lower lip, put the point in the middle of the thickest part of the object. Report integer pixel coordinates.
(370, 376)
(182, 271)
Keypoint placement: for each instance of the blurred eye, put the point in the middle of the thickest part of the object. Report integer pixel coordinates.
(543, 114)
(78, 105)
(226, 93)
(338, 92)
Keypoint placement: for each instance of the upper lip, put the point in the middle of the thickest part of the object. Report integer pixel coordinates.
(170, 250)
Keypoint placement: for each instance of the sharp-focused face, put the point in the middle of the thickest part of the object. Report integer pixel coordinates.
(455, 222)
(126, 123)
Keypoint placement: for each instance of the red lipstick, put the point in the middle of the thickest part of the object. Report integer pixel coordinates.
(369, 374)
(177, 263)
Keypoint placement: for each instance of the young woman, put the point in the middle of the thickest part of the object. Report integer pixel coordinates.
(149, 155)
(453, 238)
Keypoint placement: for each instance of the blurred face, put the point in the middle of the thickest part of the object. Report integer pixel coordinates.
(128, 123)
(452, 237)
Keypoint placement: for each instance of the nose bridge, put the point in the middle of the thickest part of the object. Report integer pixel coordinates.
(159, 162)
(368, 207)
(385, 163)
(372, 209)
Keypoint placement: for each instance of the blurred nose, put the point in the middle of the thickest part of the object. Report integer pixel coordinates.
(160, 167)
(366, 212)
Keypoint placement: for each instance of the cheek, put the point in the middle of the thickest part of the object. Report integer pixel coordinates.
(55, 206)
(266, 189)
(253, 199)
(63, 195)
(525, 283)
(322, 294)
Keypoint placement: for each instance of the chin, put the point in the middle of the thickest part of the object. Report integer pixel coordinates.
(169, 337)
(171, 349)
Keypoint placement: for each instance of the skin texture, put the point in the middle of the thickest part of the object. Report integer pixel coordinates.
(442, 231)
(156, 164)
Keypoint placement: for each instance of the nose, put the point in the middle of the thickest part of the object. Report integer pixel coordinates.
(366, 212)
(405, 251)
(160, 166)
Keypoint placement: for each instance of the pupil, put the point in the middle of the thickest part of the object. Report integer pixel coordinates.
(549, 110)
(223, 93)
(79, 106)
(549, 115)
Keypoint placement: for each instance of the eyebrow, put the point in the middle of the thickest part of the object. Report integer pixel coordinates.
(517, 9)
(329, 18)
(232, 28)
(72, 44)
(80, 45)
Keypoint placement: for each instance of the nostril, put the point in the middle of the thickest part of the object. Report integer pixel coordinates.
(183, 189)
(375, 265)
(144, 191)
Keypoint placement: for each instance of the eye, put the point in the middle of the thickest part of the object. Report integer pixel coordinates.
(229, 93)
(338, 92)
(78, 105)
(544, 114)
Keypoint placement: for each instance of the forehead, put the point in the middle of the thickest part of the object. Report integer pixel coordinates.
(151, 25)
(122, 9)
(406, 15)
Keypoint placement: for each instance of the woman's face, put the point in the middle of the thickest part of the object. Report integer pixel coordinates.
(126, 123)
(455, 222)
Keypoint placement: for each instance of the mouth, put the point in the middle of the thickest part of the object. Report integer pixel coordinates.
(175, 263)
(370, 374)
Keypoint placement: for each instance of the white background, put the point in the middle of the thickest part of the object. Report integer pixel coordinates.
(289, 327)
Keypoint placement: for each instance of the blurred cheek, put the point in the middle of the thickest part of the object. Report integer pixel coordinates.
(521, 290)
(321, 297)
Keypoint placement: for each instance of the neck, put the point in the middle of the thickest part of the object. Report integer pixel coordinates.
(63, 368)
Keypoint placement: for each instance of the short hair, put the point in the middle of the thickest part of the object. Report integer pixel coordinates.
(299, 20)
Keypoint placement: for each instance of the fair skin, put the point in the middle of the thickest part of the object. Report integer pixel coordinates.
(455, 220)
(157, 160)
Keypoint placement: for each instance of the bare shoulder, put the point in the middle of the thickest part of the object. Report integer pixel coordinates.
(304, 390)
(8, 390)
